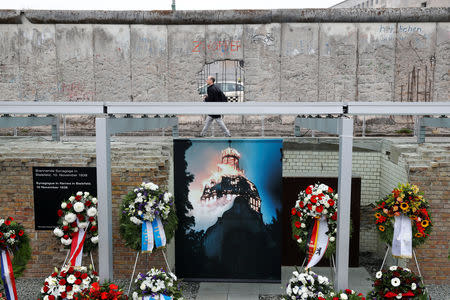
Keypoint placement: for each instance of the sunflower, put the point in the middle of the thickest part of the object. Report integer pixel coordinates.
(404, 206)
(381, 228)
(377, 215)
(425, 223)
(419, 235)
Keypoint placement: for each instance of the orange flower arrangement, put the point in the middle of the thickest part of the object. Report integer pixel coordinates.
(408, 200)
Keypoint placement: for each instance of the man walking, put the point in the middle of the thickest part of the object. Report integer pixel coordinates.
(214, 95)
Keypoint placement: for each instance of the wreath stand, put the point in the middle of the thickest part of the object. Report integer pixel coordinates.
(415, 259)
(135, 264)
(332, 266)
(67, 256)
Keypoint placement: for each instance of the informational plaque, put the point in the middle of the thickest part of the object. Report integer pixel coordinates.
(51, 185)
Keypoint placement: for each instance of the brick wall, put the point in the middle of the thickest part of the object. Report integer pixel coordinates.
(432, 256)
(16, 195)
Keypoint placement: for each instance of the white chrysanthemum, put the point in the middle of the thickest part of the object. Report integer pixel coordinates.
(79, 193)
(406, 269)
(332, 238)
(46, 296)
(69, 295)
(153, 186)
(83, 225)
(94, 200)
(62, 288)
(66, 242)
(413, 286)
(343, 296)
(65, 223)
(399, 296)
(379, 275)
(71, 279)
(393, 268)
(295, 290)
(70, 217)
(167, 197)
(58, 232)
(135, 296)
(143, 286)
(299, 240)
(86, 194)
(78, 207)
(94, 239)
(289, 290)
(92, 212)
(76, 288)
(63, 205)
(71, 198)
(395, 282)
(75, 229)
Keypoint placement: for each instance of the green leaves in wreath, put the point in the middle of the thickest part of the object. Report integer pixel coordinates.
(145, 203)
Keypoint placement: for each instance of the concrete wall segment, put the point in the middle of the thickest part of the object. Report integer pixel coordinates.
(37, 61)
(442, 73)
(149, 62)
(75, 65)
(9, 63)
(299, 62)
(112, 63)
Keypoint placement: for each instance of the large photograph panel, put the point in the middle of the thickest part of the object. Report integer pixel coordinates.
(228, 196)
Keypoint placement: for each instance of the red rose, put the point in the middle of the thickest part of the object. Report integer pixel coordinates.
(78, 198)
(91, 219)
(302, 204)
(293, 211)
(21, 232)
(80, 217)
(84, 276)
(1, 234)
(104, 295)
(93, 228)
(298, 224)
(46, 288)
(65, 228)
(313, 199)
(11, 219)
(60, 212)
(320, 196)
(309, 190)
(360, 294)
(330, 190)
(70, 271)
(95, 273)
(299, 213)
(334, 216)
(396, 274)
(74, 224)
(69, 205)
(88, 203)
(62, 281)
(63, 295)
(8, 222)
(78, 281)
(54, 274)
(348, 292)
(320, 298)
(68, 288)
(309, 206)
(296, 236)
(408, 294)
(65, 236)
(319, 208)
(335, 298)
(331, 202)
(12, 236)
(390, 295)
(77, 274)
(51, 297)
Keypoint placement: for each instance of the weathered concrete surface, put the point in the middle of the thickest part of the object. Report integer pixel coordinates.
(232, 16)
(299, 62)
(10, 16)
(112, 63)
(74, 56)
(149, 62)
(442, 75)
(415, 61)
(337, 63)
(262, 44)
(223, 42)
(9, 62)
(37, 61)
(376, 56)
(184, 61)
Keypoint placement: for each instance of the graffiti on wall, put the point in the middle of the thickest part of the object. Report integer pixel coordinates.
(217, 46)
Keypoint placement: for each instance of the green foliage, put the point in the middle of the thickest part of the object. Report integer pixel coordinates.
(404, 131)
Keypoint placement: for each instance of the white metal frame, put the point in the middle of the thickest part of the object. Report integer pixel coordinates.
(345, 132)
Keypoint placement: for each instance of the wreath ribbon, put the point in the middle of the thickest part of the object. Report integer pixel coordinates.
(318, 242)
(7, 274)
(153, 234)
(159, 297)
(402, 241)
(76, 249)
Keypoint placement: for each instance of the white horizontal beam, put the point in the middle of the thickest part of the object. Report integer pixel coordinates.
(225, 108)
(398, 108)
(47, 107)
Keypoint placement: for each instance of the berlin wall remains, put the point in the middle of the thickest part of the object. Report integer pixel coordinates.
(289, 55)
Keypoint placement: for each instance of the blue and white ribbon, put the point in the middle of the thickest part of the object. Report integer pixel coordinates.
(159, 297)
(153, 235)
(8, 276)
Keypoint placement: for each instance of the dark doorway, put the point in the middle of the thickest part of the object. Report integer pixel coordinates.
(291, 255)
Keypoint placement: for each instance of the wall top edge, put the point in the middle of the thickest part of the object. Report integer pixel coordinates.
(188, 17)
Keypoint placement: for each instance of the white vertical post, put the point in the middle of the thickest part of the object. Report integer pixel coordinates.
(344, 189)
(104, 199)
